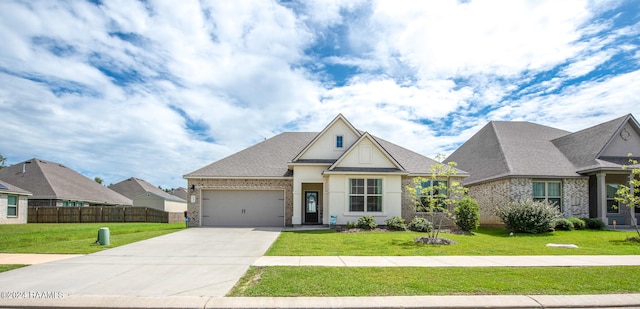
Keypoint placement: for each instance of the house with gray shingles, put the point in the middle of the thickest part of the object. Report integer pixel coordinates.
(330, 177)
(53, 184)
(144, 194)
(579, 172)
(13, 204)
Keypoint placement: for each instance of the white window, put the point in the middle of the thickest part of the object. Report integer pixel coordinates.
(548, 191)
(12, 206)
(612, 206)
(365, 195)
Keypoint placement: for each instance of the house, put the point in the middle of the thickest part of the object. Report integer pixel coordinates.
(53, 184)
(332, 177)
(144, 194)
(579, 172)
(13, 204)
(179, 192)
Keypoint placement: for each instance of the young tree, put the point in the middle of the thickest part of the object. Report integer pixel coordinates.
(630, 195)
(437, 194)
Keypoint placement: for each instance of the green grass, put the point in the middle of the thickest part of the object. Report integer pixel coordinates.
(486, 241)
(411, 281)
(75, 238)
(4, 268)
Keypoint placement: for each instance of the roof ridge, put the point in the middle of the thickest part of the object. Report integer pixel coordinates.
(45, 175)
(501, 146)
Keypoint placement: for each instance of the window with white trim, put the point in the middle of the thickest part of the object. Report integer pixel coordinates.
(613, 207)
(12, 206)
(429, 190)
(365, 195)
(548, 191)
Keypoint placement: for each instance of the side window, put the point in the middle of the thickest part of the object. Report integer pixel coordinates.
(12, 206)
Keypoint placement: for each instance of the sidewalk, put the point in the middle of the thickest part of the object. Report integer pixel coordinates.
(31, 259)
(451, 261)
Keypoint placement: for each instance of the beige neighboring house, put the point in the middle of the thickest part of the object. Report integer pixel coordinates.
(53, 184)
(579, 172)
(330, 177)
(13, 204)
(144, 194)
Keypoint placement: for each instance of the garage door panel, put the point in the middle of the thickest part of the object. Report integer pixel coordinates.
(243, 208)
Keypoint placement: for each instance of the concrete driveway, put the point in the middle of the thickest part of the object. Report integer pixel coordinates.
(193, 262)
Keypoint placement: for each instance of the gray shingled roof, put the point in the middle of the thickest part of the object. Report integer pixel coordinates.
(8, 188)
(583, 147)
(512, 149)
(179, 192)
(270, 158)
(50, 180)
(133, 187)
(523, 149)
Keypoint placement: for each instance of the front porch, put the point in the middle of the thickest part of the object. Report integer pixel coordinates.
(602, 204)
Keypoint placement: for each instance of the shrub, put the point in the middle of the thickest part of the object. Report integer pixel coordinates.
(396, 223)
(420, 225)
(563, 224)
(594, 224)
(467, 214)
(528, 217)
(367, 223)
(351, 225)
(578, 223)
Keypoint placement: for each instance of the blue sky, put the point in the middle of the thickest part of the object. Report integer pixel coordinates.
(157, 89)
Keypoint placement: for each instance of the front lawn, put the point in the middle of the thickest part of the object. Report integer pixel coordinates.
(75, 238)
(411, 281)
(4, 268)
(486, 241)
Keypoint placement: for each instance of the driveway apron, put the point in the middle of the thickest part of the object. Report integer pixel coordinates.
(193, 262)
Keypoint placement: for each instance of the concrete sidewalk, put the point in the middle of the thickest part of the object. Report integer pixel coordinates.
(428, 302)
(32, 259)
(451, 261)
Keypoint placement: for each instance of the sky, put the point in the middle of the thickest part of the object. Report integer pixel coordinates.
(158, 89)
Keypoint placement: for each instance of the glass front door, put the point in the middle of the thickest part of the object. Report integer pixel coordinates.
(311, 207)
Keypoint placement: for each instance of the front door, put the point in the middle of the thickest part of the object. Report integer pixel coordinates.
(311, 207)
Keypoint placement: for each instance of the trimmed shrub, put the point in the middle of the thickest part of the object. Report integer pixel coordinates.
(528, 216)
(467, 214)
(594, 224)
(396, 223)
(578, 223)
(367, 223)
(563, 224)
(420, 225)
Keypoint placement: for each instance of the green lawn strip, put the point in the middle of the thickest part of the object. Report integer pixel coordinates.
(486, 241)
(411, 281)
(9, 267)
(76, 238)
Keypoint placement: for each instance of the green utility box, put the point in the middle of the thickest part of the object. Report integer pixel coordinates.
(103, 236)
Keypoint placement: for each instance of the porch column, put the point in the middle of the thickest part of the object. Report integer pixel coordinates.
(602, 197)
(632, 210)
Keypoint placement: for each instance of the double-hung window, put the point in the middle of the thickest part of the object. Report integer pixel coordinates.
(432, 193)
(548, 191)
(612, 205)
(365, 195)
(12, 206)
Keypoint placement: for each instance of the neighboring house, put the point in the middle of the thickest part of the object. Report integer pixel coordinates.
(13, 204)
(53, 184)
(580, 172)
(293, 178)
(179, 192)
(144, 194)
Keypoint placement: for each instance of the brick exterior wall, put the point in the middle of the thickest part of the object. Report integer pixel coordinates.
(238, 184)
(575, 196)
(409, 207)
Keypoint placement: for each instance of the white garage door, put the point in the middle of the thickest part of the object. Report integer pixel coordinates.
(243, 208)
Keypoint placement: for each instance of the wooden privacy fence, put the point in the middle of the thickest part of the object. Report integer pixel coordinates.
(48, 214)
